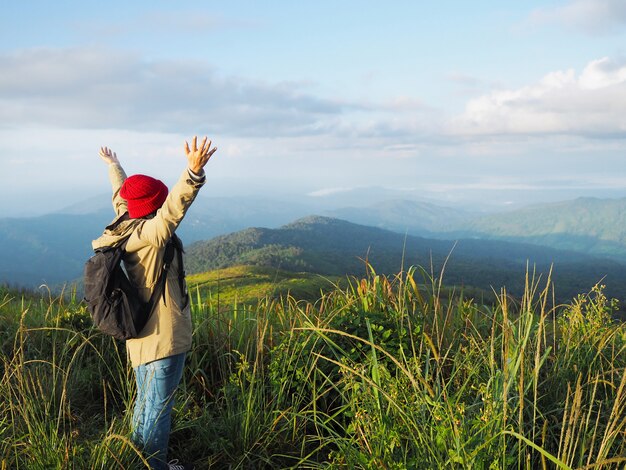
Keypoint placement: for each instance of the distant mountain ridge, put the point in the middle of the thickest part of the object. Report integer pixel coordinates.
(47, 249)
(401, 215)
(589, 225)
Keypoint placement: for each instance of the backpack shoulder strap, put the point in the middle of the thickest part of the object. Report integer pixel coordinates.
(159, 289)
(181, 275)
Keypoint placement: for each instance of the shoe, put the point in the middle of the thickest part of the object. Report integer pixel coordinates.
(175, 465)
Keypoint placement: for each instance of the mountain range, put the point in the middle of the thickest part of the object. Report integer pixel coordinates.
(52, 249)
(335, 247)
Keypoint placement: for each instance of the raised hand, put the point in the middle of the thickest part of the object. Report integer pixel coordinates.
(198, 157)
(108, 155)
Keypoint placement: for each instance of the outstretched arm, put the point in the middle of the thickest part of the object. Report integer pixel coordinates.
(158, 230)
(116, 176)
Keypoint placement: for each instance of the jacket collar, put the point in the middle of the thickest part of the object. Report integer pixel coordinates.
(117, 231)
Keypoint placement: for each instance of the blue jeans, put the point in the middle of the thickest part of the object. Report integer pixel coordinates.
(156, 385)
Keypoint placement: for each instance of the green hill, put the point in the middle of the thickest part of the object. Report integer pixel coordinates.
(334, 247)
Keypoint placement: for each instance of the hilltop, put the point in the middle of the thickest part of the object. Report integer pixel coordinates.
(248, 284)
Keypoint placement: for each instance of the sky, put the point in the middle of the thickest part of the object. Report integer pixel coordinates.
(459, 102)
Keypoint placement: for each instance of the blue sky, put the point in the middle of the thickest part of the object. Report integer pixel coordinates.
(462, 102)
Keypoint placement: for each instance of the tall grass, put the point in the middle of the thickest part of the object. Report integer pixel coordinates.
(61, 385)
(381, 372)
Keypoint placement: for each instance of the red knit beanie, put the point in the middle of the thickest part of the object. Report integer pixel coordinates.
(143, 194)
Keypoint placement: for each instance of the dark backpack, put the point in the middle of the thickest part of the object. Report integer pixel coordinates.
(112, 299)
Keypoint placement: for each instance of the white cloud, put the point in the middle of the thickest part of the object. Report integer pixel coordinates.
(83, 98)
(592, 104)
(602, 73)
(590, 16)
(96, 88)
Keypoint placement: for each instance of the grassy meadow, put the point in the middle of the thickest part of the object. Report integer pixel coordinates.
(303, 372)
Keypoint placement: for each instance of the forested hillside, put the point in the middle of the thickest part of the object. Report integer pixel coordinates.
(334, 247)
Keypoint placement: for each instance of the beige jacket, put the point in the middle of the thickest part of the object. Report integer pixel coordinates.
(168, 331)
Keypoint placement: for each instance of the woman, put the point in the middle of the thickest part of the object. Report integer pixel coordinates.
(148, 215)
